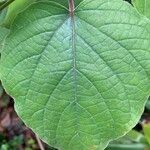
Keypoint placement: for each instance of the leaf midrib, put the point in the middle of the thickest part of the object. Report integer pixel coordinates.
(73, 45)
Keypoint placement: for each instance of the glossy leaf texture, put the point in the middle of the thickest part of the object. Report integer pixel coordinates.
(78, 81)
(143, 6)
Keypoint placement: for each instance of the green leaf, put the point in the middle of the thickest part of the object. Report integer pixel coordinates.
(3, 33)
(2, 2)
(78, 81)
(143, 6)
(132, 141)
(146, 129)
(14, 9)
(135, 136)
(126, 147)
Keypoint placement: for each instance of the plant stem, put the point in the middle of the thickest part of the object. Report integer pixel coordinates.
(71, 7)
(40, 143)
(3, 6)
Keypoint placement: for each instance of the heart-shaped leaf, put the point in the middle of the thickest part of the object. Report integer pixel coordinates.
(79, 79)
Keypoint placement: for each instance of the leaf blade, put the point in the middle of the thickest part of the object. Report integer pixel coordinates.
(87, 105)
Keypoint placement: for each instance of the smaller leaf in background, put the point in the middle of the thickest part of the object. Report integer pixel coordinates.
(2, 3)
(132, 141)
(135, 136)
(129, 138)
(148, 105)
(4, 147)
(16, 7)
(146, 130)
(126, 147)
(143, 6)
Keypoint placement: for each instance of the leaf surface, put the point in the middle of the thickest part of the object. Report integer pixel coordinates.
(78, 81)
(3, 33)
(2, 15)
